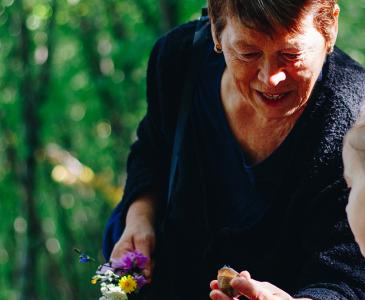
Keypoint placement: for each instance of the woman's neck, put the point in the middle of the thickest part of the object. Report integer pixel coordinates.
(257, 135)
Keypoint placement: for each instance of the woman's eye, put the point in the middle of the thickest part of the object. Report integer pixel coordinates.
(291, 56)
(250, 55)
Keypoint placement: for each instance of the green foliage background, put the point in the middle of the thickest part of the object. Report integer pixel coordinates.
(72, 88)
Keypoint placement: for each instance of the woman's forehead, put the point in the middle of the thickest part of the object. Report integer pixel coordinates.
(241, 35)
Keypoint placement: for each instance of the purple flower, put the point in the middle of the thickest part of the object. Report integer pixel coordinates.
(103, 268)
(125, 262)
(140, 260)
(130, 261)
(141, 280)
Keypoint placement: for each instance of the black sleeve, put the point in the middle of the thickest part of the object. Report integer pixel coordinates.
(335, 269)
(149, 159)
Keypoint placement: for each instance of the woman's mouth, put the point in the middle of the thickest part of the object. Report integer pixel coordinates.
(272, 98)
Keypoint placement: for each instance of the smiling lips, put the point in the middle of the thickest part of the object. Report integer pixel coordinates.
(272, 97)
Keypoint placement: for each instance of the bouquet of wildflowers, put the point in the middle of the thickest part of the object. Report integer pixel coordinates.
(120, 278)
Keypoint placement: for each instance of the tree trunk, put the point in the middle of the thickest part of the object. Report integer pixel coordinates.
(33, 94)
(170, 13)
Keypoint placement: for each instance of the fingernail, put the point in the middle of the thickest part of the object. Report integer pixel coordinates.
(147, 273)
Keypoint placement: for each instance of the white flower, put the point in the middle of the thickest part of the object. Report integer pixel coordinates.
(108, 276)
(112, 292)
(103, 288)
(108, 273)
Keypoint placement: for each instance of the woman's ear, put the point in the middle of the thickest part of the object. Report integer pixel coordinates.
(217, 44)
(334, 28)
(214, 34)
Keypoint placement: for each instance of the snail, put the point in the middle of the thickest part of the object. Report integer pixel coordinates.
(225, 275)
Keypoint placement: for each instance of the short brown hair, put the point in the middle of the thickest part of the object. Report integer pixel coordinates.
(266, 15)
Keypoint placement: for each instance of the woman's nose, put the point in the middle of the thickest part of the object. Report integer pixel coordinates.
(271, 74)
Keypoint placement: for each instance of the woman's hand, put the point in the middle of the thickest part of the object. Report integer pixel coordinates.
(139, 233)
(251, 289)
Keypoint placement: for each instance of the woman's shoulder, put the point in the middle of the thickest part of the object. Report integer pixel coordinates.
(345, 71)
(345, 83)
(173, 45)
(181, 32)
(336, 106)
(167, 72)
(342, 58)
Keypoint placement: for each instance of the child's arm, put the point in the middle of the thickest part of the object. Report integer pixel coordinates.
(354, 172)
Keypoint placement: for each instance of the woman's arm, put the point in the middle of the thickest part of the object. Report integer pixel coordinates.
(329, 263)
(144, 201)
(131, 225)
(333, 267)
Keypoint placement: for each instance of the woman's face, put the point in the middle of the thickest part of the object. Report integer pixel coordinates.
(275, 75)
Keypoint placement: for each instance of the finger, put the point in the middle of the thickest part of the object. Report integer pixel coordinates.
(250, 288)
(214, 284)
(147, 272)
(218, 295)
(245, 274)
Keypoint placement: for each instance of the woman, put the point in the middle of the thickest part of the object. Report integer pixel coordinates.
(259, 181)
(354, 171)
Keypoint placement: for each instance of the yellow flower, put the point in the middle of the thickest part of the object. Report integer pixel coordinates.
(94, 280)
(128, 284)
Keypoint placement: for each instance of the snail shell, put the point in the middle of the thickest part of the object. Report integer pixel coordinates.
(225, 275)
